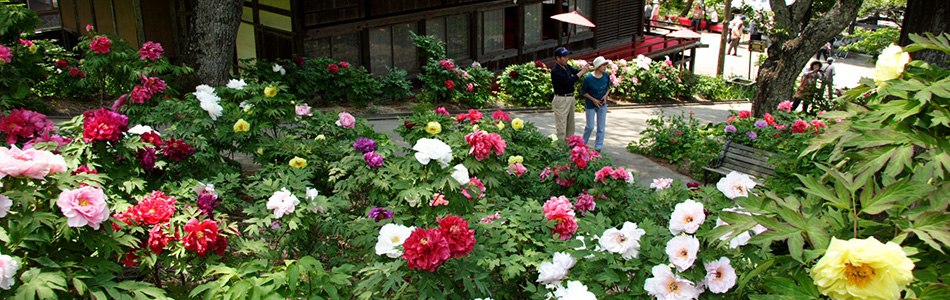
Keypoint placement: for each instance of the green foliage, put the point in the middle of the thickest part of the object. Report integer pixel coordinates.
(682, 141)
(528, 84)
(395, 84)
(443, 81)
(872, 41)
(314, 79)
(717, 88)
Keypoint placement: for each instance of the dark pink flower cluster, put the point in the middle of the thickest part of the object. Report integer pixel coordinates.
(585, 203)
(150, 86)
(501, 115)
(581, 155)
(103, 125)
(473, 116)
(559, 209)
(574, 140)
(474, 184)
(24, 123)
(151, 50)
(333, 68)
(483, 143)
(618, 173)
(447, 64)
(344, 65)
(177, 149)
(442, 111)
(100, 45)
(449, 84)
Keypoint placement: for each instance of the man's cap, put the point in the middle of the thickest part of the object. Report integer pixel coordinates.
(561, 51)
(830, 60)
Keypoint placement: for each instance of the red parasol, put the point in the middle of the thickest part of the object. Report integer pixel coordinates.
(573, 18)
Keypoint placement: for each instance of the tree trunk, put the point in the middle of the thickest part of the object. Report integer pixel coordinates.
(791, 51)
(926, 16)
(213, 35)
(689, 7)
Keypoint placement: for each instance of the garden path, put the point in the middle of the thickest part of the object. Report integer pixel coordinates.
(624, 124)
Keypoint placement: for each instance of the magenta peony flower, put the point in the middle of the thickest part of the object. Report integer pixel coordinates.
(24, 123)
(5, 54)
(333, 68)
(344, 65)
(299, 60)
(449, 84)
(140, 94)
(31, 163)
(176, 149)
(151, 50)
(84, 206)
(473, 184)
(147, 158)
(346, 120)
(516, 169)
(103, 125)
(364, 145)
(379, 213)
(100, 45)
(154, 85)
(303, 110)
(585, 203)
(118, 103)
(373, 159)
(73, 72)
(207, 199)
(574, 141)
(501, 115)
(442, 111)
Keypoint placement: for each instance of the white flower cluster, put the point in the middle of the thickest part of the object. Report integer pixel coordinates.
(551, 273)
(391, 238)
(279, 69)
(140, 129)
(433, 149)
(643, 62)
(575, 290)
(237, 84)
(209, 100)
(625, 241)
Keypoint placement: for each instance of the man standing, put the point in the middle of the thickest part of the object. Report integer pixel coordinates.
(647, 13)
(563, 78)
(828, 78)
(735, 35)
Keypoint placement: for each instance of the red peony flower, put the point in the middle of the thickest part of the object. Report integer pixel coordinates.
(333, 68)
(103, 125)
(769, 119)
(449, 84)
(426, 249)
(100, 45)
(744, 114)
(501, 115)
(565, 228)
(344, 65)
(513, 74)
(157, 239)
(299, 60)
(73, 72)
(140, 94)
(200, 236)
(538, 64)
(220, 245)
(177, 149)
(151, 50)
(24, 123)
(474, 115)
(483, 143)
(147, 158)
(128, 259)
(730, 119)
(800, 126)
(408, 125)
(461, 239)
(447, 64)
(156, 208)
(124, 217)
(153, 138)
(62, 64)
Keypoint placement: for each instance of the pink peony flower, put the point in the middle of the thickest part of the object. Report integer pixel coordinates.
(603, 173)
(119, 103)
(516, 169)
(438, 199)
(682, 251)
(442, 111)
(557, 207)
(473, 184)
(303, 110)
(8, 270)
(800, 126)
(155, 85)
(83, 206)
(31, 163)
(501, 115)
(151, 50)
(24, 123)
(661, 183)
(140, 94)
(346, 120)
(100, 45)
(447, 64)
(282, 202)
(470, 87)
(664, 285)
(344, 65)
(490, 219)
(687, 217)
(785, 105)
(482, 144)
(720, 276)
(449, 84)
(585, 203)
(89, 27)
(5, 54)
(103, 125)
(5, 205)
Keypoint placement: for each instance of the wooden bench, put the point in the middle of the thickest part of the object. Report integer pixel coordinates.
(743, 159)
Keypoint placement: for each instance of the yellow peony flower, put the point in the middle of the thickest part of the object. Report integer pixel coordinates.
(241, 126)
(298, 162)
(862, 269)
(475, 128)
(433, 127)
(517, 123)
(890, 64)
(260, 151)
(500, 125)
(320, 137)
(270, 91)
(517, 159)
(33, 49)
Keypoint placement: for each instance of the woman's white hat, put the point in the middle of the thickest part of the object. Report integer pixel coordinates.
(599, 61)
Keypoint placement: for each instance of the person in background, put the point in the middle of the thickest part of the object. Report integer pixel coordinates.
(713, 19)
(697, 20)
(647, 13)
(828, 78)
(595, 89)
(656, 13)
(735, 35)
(824, 51)
(563, 78)
(808, 88)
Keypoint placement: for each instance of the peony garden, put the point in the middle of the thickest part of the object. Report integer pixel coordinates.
(246, 191)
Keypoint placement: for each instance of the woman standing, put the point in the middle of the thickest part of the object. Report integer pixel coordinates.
(808, 89)
(595, 90)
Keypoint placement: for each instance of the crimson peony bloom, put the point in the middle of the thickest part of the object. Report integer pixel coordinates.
(24, 123)
(447, 64)
(140, 94)
(461, 239)
(147, 158)
(152, 138)
(474, 115)
(408, 125)
(103, 125)
(501, 115)
(157, 239)
(200, 236)
(538, 64)
(744, 114)
(220, 245)
(800, 126)
(100, 45)
(73, 72)
(154, 85)
(483, 143)
(449, 84)
(177, 149)
(333, 68)
(151, 50)
(62, 64)
(156, 208)
(574, 140)
(426, 249)
(299, 60)
(585, 203)
(513, 74)
(442, 111)
(344, 65)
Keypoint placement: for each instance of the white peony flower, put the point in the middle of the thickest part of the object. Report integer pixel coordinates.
(433, 149)
(661, 183)
(735, 184)
(461, 174)
(720, 276)
(209, 102)
(682, 251)
(740, 240)
(282, 202)
(575, 290)
(392, 236)
(237, 84)
(312, 193)
(625, 241)
(140, 129)
(279, 69)
(205, 188)
(8, 269)
(629, 177)
(5, 204)
(553, 137)
(643, 62)
(204, 88)
(553, 272)
(687, 216)
(664, 285)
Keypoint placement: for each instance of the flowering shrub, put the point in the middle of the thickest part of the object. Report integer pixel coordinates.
(644, 80)
(334, 82)
(527, 85)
